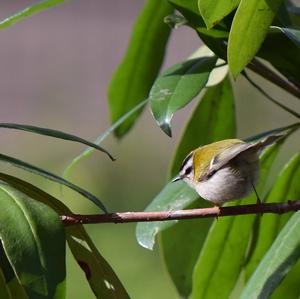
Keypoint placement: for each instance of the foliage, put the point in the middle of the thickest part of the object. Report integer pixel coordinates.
(241, 257)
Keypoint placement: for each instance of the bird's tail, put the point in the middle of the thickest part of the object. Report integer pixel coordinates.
(267, 141)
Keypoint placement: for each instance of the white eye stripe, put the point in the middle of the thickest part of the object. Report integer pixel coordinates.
(187, 162)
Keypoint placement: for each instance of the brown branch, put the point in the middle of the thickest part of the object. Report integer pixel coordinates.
(276, 208)
(256, 66)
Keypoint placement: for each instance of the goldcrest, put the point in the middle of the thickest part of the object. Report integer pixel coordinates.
(225, 170)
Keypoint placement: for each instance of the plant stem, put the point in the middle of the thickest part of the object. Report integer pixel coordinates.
(256, 66)
(275, 208)
(287, 109)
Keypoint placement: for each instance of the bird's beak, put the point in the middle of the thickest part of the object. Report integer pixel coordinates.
(177, 178)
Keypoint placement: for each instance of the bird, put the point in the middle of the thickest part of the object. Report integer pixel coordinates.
(225, 170)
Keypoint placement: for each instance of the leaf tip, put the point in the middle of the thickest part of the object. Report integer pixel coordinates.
(166, 128)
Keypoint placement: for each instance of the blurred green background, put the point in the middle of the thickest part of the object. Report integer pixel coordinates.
(55, 68)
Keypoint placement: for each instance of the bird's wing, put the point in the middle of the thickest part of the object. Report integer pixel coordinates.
(227, 155)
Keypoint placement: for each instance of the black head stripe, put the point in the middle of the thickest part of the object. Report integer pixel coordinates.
(185, 161)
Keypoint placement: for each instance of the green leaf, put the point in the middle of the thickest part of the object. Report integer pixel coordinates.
(12, 285)
(283, 254)
(206, 118)
(16, 289)
(50, 176)
(286, 130)
(177, 86)
(285, 188)
(213, 11)
(34, 241)
(289, 287)
(188, 5)
(181, 243)
(217, 265)
(29, 11)
(101, 278)
(213, 37)
(4, 291)
(292, 33)
(135, 75)
(248, 31)
(287, 63)
(172, 197)
(55, 134)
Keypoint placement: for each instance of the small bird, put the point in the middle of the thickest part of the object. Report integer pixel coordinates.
(225, 170)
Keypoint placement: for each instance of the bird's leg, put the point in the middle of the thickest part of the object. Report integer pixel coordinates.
(258, 201)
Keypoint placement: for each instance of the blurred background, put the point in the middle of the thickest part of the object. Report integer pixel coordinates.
(55, 69)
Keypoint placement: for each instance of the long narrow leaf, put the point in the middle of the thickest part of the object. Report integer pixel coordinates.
(283, 254)
(31, 168)
(285, 188)
(29, 11)
(135, 75)
(55, 134)
(285, 130)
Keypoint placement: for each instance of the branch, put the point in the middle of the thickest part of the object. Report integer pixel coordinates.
(275, 208)
(256, 66)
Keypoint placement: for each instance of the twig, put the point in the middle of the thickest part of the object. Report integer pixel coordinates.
(276, 208)
(256, 66)
(294, 113)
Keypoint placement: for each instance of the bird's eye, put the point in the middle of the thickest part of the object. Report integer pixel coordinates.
(188, 170)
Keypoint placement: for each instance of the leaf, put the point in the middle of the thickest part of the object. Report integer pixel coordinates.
(29, 11)
(34, 242)
(176, 87)
(4, 291)
(50, 176)
(285, 188)
(101, 278)
(87, 152)
(292, 33)
(287, 64)
(55, 134)
(172, 197)
(217, 265)
(248, 31)
(213, 38)
(12, 286)
(181, 243)
(213, 11)
(189, 9)
(289, 287)
(135, 75)
(206, 118)
(283, 254)
(16, 289)
(286, 130)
